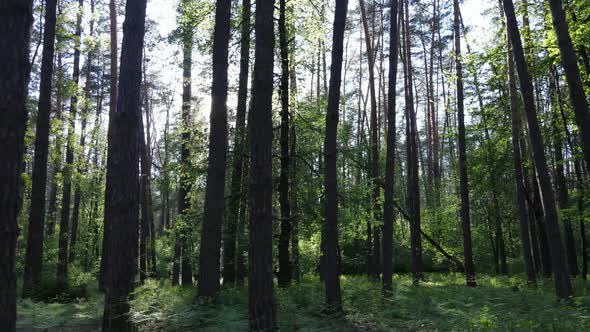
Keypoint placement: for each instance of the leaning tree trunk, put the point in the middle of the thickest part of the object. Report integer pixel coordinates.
(15, 34)
(563, 286)
(122, 209)
(261, 298)
(518, 170)
(209, 269)
(388, 207)
(34, 255)
(572, 74)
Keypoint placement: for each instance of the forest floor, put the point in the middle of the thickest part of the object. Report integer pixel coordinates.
(441, 303)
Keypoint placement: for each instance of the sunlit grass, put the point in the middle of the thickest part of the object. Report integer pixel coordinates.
(440, 303)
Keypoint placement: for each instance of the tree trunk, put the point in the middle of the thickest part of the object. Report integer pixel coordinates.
(184, 187)
(331, 266)
(34, 254)
(261, 298)
(209, 268)
(374, 155)
(388, 208)
(81, 169)
(15, 34)
(122, 209)
(230, 235)
(572, 74)
(562, 282)
(284, 274)
(104, 262)
(64, 224)
(464, 185)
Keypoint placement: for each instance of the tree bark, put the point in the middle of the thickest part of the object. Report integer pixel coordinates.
(523, 217)
(104, 263)
(15, 35)
(388, 208)
(209, 260)
(34, 253)
(231, 224)
(331, 267)
(464, 185)
(562, 282)
(572, 74)
(284, 274)
(122, 208)
(261, 298)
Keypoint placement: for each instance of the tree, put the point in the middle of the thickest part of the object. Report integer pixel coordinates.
(331, 267)
(523, 217)
(34, 255)
(464, 186)
(388, 207)
(122, 208)
(214, 194)
(261, 299)
(234, 209)
(114, 71)
(563, 286)
(15, 34)
(64, 224)
(372, 261)
(284, 275)
(572, 74)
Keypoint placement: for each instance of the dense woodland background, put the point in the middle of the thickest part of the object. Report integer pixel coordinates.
(327, 165)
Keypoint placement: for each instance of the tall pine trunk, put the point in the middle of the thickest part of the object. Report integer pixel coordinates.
(331, 266)
(209, 261)
(15, 34)
(388, 205)
(34, 255)
(231, 224)
(122, 209)
(261, 298)
(563, 286)
(463, 185)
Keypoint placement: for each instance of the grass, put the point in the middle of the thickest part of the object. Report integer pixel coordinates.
(441, 303)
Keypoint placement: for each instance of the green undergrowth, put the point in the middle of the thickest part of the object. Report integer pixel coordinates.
(440, 303)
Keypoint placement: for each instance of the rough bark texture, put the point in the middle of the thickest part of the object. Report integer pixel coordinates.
(15, 32)
(572, 74)
(388, 206)
(231, 223)
(122, 208)
(331, 267)
(64, 224)
(563, 286)
(34, 255)
(209, 263)
(463, 185)
(261, 298)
